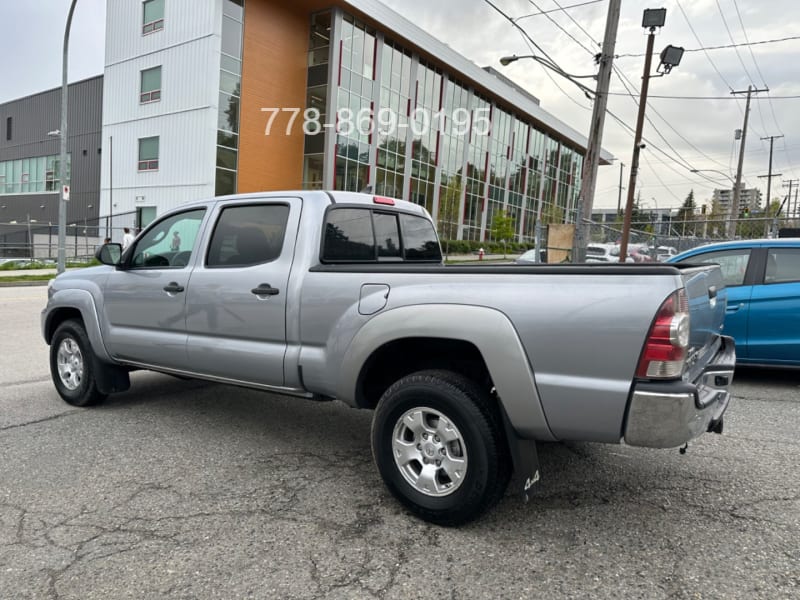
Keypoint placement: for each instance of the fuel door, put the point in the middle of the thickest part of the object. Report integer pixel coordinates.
(373, 298)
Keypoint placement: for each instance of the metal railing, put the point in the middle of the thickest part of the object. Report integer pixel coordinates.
(36, 241)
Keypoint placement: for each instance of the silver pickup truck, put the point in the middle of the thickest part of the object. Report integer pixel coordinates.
(342, 296)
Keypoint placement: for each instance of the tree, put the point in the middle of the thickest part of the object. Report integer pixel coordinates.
(447, 214)
(503, 229)
(686, 215)
(716, 220)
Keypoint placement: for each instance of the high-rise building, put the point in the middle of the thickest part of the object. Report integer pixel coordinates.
(211, 97)
(749, 198)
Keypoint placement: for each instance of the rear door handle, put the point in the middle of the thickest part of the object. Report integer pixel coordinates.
(265, 289)
(173, 288)
(734, 308)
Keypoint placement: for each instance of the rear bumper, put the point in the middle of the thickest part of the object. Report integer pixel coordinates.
(669, 414)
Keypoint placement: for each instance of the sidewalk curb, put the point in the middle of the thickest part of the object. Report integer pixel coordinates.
(23, 283)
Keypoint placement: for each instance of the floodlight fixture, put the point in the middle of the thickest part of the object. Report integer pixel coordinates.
(670, 57)
(654, 17)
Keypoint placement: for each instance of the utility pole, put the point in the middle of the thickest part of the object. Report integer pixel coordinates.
(592, 159)
(789, 184)
(619, 195)
(731, 229)
(769, 177)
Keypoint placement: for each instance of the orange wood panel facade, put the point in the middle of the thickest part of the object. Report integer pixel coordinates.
(273, 76)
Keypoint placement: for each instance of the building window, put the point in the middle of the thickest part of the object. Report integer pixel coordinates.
(152, 16)
(9, 122)
(148, 154)
(151, 85)
(229, 95)
(31, 175)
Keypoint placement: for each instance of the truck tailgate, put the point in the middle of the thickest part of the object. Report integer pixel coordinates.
(707, 296)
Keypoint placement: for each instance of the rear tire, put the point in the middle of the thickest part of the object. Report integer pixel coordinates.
(72, 365)
(439, 444)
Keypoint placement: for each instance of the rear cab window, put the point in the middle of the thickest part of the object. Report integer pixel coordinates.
(370, 235)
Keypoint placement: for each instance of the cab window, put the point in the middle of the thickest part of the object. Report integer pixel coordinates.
(248, 235)
(168, 243)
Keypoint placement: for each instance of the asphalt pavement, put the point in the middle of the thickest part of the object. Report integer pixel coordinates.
(185, 489)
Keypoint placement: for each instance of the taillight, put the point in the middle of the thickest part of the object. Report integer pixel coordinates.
(665, 349)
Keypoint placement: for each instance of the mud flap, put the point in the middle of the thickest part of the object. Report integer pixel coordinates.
(110, 379)
(525, 457)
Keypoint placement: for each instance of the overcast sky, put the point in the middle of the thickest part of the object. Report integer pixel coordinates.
(697, 134)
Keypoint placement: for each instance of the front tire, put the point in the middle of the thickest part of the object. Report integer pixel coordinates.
(439, 445)
(72, 365)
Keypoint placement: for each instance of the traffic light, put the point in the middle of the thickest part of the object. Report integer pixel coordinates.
(746, 212)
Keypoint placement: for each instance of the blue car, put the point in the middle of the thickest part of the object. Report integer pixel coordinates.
(763, 280)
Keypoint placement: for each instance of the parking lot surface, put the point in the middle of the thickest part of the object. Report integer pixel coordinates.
(186, 489)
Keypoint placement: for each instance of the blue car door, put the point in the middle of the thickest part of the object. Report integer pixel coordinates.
(735, 264)
(774, 316)
(737, 317)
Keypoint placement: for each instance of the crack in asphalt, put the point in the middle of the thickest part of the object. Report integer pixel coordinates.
(42, 420)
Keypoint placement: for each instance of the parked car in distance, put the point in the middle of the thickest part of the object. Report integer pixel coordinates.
(763, 281)
(605, 253)
(639, 253)
(529, 257)
(664, 253)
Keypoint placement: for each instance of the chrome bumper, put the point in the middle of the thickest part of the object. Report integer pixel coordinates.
(669, 414)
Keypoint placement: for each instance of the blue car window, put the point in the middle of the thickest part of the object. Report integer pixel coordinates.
(783, 265)
(733, 263)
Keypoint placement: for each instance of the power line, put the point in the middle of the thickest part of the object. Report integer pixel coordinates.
(631, 132)
(705, 97)
(725, 47)
(560, 8)
(735, 48)
(622, 76)
(529, 41)
(696, 37)
(569, 16)
(525, 33)
(749, 46)
(741, 62)
(568, 34)
(763, 80)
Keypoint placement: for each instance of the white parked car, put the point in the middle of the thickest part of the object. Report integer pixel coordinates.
(664, 253)
(605, 253)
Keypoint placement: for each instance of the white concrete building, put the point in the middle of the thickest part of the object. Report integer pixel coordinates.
(160, 106)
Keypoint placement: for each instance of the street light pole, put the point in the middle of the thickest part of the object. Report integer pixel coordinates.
(670, 57)
(637, 146)
(62, 165)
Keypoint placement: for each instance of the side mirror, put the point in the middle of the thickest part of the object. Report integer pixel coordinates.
(109, 254)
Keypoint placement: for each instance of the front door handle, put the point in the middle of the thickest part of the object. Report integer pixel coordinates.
(265, 289)
(173, 288)
(734, 308)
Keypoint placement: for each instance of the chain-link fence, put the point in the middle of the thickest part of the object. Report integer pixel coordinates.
(37, 241)
(675, 236)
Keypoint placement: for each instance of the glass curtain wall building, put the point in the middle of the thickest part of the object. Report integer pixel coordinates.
(399, 125)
